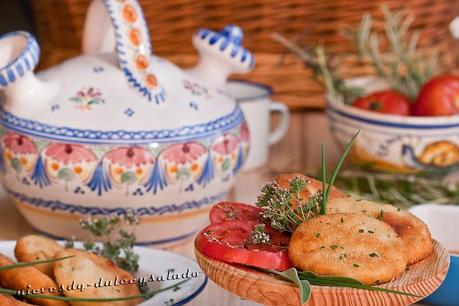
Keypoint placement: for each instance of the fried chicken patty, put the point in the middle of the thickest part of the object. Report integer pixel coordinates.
(88, 268)
(33, 247)
(26, 278)
(349, 245)
(6, 300)
(414, 233)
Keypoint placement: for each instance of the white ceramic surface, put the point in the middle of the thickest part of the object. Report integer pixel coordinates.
(119, 129)
(256, 104)
(392, 142)
(157, 263)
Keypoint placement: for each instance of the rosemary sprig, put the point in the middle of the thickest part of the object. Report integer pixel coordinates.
(403, 190)
(402, 66)
(324, 72)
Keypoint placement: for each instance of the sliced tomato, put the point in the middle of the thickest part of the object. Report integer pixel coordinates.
(234, 211)
(230, 242)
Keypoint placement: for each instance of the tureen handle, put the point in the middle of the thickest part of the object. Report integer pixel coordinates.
(220, 54)
(120, 25)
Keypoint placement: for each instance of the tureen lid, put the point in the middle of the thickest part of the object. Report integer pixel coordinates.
(127, 96)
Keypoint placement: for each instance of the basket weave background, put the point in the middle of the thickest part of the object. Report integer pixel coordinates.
(59, 25)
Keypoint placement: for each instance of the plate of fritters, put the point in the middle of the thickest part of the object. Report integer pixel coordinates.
(87, 275)
(377, 244)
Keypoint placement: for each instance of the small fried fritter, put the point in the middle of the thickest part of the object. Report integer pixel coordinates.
(414, 233)
(7, 300)
(33, 247)
(26, 278)
(313, 186)
(88, 268)
(349, 245)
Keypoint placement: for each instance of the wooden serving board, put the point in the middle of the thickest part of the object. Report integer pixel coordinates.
(421, 279)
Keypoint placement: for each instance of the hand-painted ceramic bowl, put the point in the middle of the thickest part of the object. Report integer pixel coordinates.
(442, 221)
(395, 143)
(118, 130)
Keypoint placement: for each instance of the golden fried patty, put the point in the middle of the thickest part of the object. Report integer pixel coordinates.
(414, 233)
(349, 245)
(88, 268)
(6, 300)
(26, 278)
(34, 247)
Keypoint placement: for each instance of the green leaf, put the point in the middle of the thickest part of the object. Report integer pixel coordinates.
(292, 276)
(347, 282)
(32, 263)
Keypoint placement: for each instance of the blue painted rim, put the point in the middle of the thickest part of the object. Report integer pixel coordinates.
(194, 294)
(56, 205)
(183, 133)
(268, 90)
(25, 61)
(392, 124)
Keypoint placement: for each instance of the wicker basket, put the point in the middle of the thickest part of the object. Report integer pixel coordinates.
(172, 22)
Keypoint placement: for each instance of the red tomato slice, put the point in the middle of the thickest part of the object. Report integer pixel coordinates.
(233, 211)
(228, 241)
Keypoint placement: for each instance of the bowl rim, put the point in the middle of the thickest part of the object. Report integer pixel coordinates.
(337, 107)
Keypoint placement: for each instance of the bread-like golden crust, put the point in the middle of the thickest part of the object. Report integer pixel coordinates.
(349, 245)
(414, 233)
(88, 268)
(26, 278)
(6, 300)
(312, 187)
(34, 247)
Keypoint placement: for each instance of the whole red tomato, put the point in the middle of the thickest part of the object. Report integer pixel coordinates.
(387, 102)
(438, 97)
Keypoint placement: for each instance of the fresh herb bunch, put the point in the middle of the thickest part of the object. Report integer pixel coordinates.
(286, 209)
(324, 70)
(276, 204)
(402, 66)
(402, 190)
(117, 243)
(259, 236)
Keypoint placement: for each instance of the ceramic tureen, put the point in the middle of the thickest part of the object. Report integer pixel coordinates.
(118, 129)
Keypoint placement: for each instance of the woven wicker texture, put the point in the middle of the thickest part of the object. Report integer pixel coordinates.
(172, 23)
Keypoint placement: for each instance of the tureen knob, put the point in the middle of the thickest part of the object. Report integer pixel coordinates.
(221, 54)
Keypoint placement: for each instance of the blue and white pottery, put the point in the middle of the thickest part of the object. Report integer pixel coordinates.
(118, 129)
(395, 143)
(442, 221)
